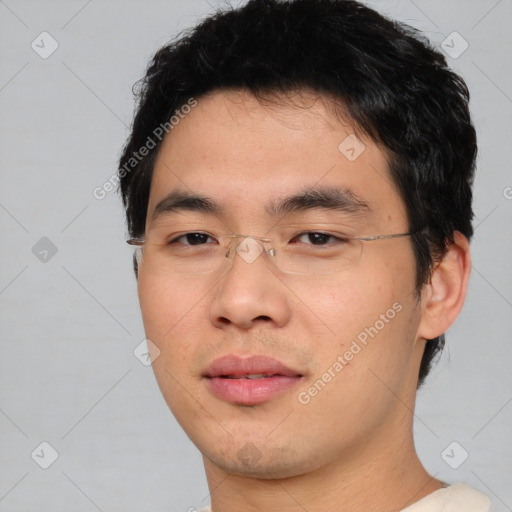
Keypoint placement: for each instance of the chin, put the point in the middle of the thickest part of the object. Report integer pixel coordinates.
(262, 462)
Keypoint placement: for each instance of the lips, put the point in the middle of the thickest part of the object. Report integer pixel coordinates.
(249, 380)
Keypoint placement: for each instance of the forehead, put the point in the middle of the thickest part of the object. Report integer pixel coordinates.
(247, 153)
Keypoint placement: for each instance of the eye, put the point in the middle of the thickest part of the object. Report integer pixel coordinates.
(191, 239)
(318, 238)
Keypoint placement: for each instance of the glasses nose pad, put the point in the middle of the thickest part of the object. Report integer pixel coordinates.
(230, 250)
(248, 247)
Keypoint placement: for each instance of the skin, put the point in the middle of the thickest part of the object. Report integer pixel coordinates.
(352, 445)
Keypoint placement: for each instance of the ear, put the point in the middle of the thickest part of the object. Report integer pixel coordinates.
(443, 297)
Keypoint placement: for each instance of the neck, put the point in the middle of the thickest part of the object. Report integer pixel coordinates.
(384, 474)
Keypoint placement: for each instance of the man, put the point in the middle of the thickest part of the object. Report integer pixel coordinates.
(298, 185)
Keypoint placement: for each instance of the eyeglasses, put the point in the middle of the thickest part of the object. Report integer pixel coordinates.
(294, 249)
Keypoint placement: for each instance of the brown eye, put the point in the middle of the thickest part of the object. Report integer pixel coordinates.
(318, 238)
(191, 239)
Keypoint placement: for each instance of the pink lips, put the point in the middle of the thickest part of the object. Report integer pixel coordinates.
(249, 380)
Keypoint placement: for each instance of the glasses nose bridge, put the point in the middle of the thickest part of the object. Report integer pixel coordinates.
(237, 239)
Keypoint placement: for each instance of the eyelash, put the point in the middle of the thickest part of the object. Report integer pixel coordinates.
(339, 238)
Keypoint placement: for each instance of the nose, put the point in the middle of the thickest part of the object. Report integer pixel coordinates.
(250, 294)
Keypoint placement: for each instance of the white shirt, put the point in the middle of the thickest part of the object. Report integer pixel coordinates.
(454, 498)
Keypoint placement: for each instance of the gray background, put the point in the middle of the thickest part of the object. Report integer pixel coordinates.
(70, 320)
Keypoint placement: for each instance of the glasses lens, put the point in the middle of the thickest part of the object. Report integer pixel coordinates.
(318, 259)
(293, 250)
(183, 259)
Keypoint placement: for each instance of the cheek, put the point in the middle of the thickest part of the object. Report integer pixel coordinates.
(350, 304)
(174, 319)
(169, 305)
(360, 376)
(170, 314)
(371, 316)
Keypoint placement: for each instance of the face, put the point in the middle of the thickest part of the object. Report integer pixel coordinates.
(274, 373)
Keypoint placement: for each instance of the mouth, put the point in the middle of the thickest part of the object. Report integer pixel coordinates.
(249, 380)
(251, 376)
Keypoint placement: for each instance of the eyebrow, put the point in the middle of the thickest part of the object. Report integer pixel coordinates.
(328, 198)
(185, 201)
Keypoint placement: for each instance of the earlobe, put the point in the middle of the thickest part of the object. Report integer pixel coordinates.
(443, 297)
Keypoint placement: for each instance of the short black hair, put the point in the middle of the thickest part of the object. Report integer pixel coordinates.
(394, 86)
